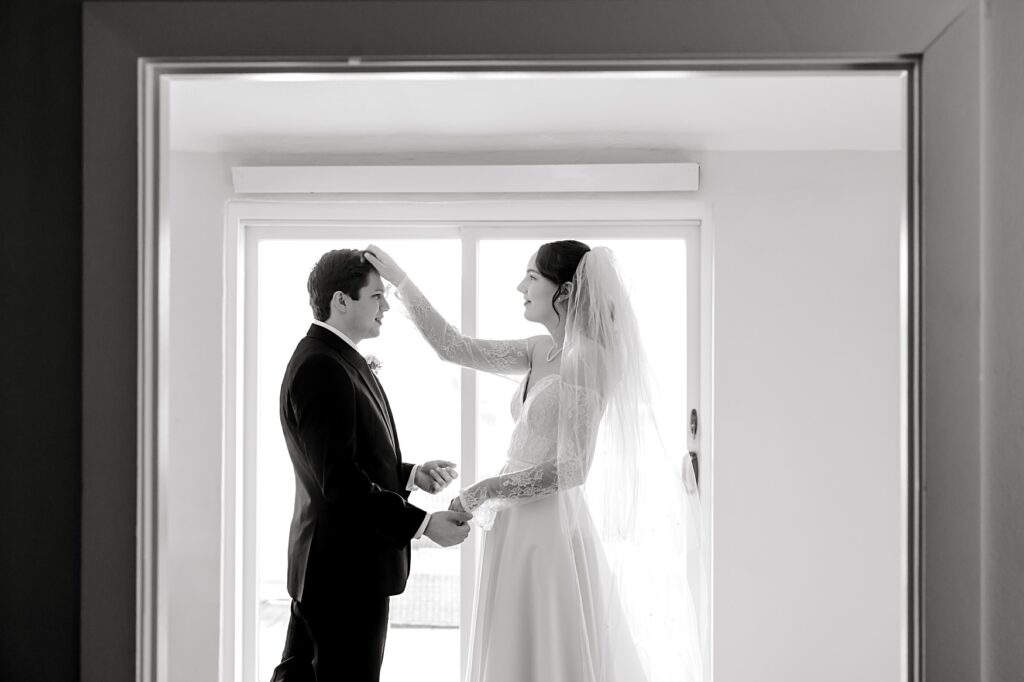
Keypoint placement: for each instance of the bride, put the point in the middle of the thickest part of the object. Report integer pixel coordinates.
(583, 569)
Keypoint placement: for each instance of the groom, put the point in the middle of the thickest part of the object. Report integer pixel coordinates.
(348, 548)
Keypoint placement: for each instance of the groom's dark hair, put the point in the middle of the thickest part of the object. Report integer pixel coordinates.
(343, 270)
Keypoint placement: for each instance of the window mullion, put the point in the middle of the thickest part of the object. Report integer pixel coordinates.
(470, 251)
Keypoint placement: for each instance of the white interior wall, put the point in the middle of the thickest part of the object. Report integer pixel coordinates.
(807, 490)
(807, 468)
(198, 190)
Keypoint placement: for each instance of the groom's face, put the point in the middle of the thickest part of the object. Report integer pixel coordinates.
(363, 317)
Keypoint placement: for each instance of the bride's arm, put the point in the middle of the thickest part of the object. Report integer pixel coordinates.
(499, 357)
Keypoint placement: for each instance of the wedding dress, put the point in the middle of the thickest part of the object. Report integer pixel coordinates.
(547, 603)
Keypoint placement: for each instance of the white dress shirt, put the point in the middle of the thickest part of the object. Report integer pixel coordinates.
(411, 484)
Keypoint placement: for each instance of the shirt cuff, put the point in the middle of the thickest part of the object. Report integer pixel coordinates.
(411, 484)
(423, 527)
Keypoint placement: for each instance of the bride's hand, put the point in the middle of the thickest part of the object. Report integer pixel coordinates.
(385, 264)
(456, 504)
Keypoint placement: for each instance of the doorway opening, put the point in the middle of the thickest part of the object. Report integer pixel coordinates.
(770, 163)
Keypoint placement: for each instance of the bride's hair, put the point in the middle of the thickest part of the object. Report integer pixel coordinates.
(558, 261)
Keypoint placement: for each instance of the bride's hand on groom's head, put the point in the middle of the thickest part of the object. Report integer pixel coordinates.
(434, 476)
(384, 264)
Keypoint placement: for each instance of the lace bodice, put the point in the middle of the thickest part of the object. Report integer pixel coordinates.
(535, 435)
(547, 452)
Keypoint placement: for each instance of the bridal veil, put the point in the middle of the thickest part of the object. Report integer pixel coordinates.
(614, 467)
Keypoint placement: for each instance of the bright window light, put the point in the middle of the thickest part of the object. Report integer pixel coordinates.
(430, 406)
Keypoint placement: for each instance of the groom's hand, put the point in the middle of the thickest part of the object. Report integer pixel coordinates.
(434, 476)
(448, 528)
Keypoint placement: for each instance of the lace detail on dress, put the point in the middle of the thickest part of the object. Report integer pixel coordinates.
(526, 483)
(565, 458)
(580, 415)
(473, 497)
(497, 357)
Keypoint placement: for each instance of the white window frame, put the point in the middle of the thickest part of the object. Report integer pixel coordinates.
(543, 219)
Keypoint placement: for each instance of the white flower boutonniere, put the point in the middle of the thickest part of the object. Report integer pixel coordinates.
(374, 363)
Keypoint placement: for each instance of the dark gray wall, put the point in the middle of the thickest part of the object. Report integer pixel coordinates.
(951, 208)
(1002, 339)
(41, 274)
(40, 339)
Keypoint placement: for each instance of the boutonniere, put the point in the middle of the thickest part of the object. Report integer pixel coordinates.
(374, 364)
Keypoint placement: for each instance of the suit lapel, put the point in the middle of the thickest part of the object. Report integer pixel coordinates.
(378, 395)
(352, 357)
(387, 410)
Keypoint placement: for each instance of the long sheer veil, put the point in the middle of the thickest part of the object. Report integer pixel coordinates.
(632, 493)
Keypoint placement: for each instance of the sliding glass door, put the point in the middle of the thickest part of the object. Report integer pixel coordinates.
(470, 273)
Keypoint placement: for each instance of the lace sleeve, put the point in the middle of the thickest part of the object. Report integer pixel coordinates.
(498, 357)
(580, 411)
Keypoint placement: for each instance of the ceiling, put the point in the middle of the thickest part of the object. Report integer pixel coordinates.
(625, 114)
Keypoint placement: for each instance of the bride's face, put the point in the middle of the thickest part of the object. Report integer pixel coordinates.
(537, 291)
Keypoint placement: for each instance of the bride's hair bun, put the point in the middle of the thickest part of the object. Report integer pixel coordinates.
(558, 262)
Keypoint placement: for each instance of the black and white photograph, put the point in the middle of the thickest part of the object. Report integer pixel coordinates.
(506, 341)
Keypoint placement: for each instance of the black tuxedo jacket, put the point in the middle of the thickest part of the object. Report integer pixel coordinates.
(352, 523)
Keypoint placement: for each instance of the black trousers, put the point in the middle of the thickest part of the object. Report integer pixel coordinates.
(340, 642)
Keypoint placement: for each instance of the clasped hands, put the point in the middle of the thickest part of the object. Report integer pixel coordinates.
(450, 527)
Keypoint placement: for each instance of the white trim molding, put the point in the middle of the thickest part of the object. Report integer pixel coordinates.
(594, 177)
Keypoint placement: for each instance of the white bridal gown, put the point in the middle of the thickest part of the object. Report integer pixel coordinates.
(538, 615)
(545, 609)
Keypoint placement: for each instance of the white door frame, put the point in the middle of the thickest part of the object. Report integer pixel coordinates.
(246, 222)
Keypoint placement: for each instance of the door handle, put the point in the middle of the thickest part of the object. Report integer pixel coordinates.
(694, 486)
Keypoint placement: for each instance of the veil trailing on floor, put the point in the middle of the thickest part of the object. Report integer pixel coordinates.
(620, 482)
